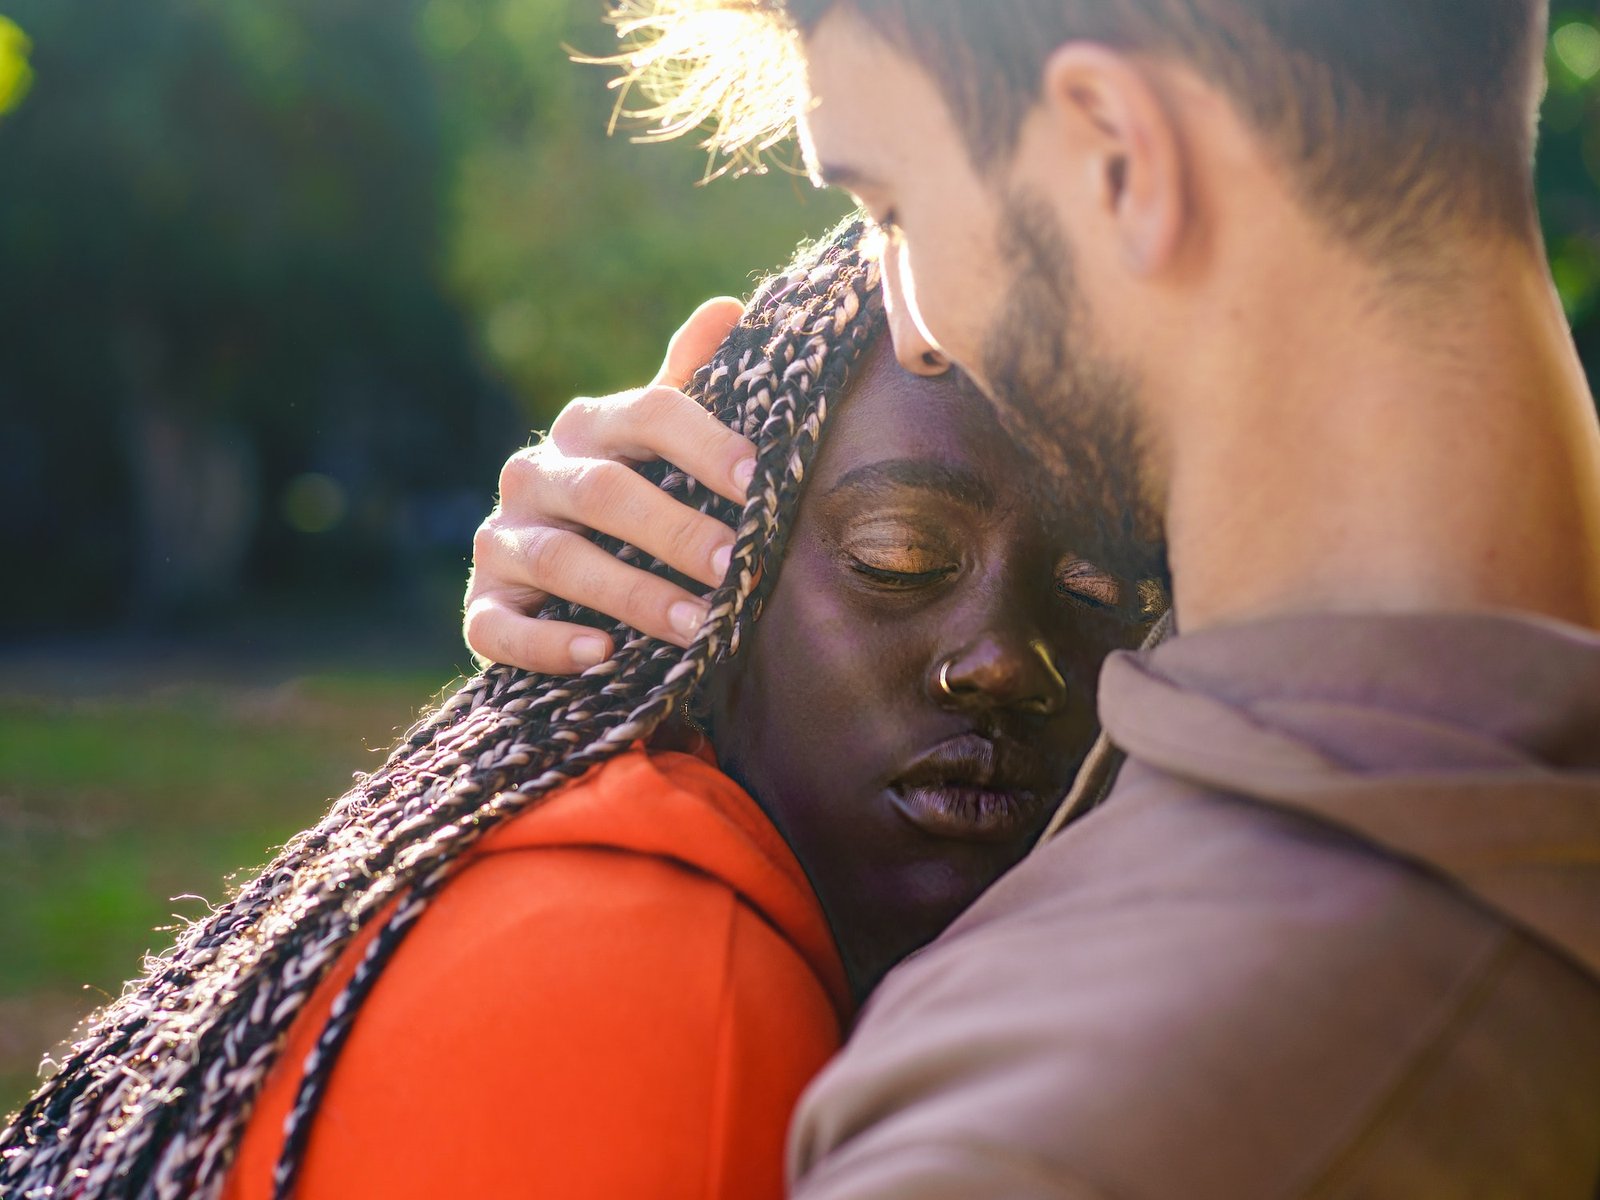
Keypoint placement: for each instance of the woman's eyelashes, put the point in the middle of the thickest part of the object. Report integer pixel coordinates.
(901, 579)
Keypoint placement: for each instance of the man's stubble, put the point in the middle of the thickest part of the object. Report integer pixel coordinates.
(1070, 408)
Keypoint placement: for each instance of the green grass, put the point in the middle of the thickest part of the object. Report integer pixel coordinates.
(111, 807)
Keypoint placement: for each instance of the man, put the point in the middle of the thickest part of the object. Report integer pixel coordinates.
(1267, 273)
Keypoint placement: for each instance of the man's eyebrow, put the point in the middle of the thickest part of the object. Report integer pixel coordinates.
(956, 484)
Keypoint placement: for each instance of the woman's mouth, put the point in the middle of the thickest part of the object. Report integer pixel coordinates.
(967, 788)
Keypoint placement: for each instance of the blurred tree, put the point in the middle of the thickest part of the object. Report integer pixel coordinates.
(220, 224)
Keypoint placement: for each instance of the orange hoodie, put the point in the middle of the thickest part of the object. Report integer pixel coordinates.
(621, 994)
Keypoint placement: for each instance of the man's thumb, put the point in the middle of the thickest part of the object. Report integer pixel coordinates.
(697, 340)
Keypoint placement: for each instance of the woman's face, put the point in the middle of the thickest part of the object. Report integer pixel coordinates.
(919, 690)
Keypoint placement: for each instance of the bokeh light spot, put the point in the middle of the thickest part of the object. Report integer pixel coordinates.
(15, 74)
(313, 503)
(1577, 46)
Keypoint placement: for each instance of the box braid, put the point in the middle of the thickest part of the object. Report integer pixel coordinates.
(154, 1097)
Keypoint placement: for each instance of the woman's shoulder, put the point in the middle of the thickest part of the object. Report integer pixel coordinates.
(627, 949)
(699, 828)
(645, 919)
(653, 875)
(654, 802)
(650, 852)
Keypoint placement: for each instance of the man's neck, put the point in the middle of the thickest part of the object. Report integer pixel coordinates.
(1439, 453)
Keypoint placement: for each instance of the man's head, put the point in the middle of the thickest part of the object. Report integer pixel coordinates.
(1091, 204)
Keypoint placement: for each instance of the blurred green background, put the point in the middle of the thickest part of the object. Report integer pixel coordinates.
(281, 285)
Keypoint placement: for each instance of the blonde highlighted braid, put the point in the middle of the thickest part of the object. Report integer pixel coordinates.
(154, 1098)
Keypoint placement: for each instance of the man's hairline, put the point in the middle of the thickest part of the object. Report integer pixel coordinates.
(839, 175)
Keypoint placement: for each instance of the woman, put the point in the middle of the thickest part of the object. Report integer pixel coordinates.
(477, 976)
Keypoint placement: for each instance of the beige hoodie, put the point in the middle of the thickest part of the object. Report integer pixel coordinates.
(1335, 933)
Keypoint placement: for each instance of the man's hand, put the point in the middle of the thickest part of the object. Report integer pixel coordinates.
(581, 477)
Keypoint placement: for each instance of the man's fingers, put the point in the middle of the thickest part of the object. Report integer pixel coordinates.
(546, 492)
(676, 428)
(498, 632)
(557, 562)
(657, 422)
(614, 499)
(697, 340)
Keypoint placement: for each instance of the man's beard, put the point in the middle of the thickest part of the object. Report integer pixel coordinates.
(1070, 410)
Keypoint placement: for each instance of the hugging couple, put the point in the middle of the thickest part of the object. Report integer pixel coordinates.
(888, 868)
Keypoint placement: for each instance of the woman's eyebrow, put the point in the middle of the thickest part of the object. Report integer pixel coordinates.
(954, 483)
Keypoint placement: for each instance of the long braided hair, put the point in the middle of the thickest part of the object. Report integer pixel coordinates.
(154, 1097)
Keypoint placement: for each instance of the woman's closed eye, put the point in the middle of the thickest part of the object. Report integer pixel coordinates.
(894, 554)
(1081, 582)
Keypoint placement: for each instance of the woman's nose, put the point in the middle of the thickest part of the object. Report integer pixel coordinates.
(915, 350)
(1001, 673)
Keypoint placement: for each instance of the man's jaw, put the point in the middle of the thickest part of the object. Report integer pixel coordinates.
(1069, 406)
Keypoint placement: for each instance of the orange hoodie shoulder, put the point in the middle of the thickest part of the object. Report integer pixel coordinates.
(621, 994)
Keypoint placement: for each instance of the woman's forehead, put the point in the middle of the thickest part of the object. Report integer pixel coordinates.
(890, 413)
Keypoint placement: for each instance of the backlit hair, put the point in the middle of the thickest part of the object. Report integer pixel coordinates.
(155, 1096)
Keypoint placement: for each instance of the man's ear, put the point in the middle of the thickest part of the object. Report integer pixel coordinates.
(1116, 127)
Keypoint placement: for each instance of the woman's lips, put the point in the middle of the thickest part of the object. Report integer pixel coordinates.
(968, 789)
(967, 813)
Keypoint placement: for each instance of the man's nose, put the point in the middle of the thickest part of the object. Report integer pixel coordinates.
(1001, 672)
(913, 348)
(916, 351)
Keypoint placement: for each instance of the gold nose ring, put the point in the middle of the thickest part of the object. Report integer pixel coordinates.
(1043, 651)
(944, 679)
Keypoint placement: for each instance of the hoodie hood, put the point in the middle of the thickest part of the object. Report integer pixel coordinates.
(1467, 743)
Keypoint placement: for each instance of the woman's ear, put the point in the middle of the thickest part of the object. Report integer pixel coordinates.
(1116, 132)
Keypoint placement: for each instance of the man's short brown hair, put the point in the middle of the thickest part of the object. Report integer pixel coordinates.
(1391, 116)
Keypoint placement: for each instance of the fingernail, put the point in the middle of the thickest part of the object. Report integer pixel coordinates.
(587, 651)
(686, 617)
(744, 472)
(721, 559)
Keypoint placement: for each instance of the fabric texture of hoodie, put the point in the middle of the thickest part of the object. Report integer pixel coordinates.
(1334, 933)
